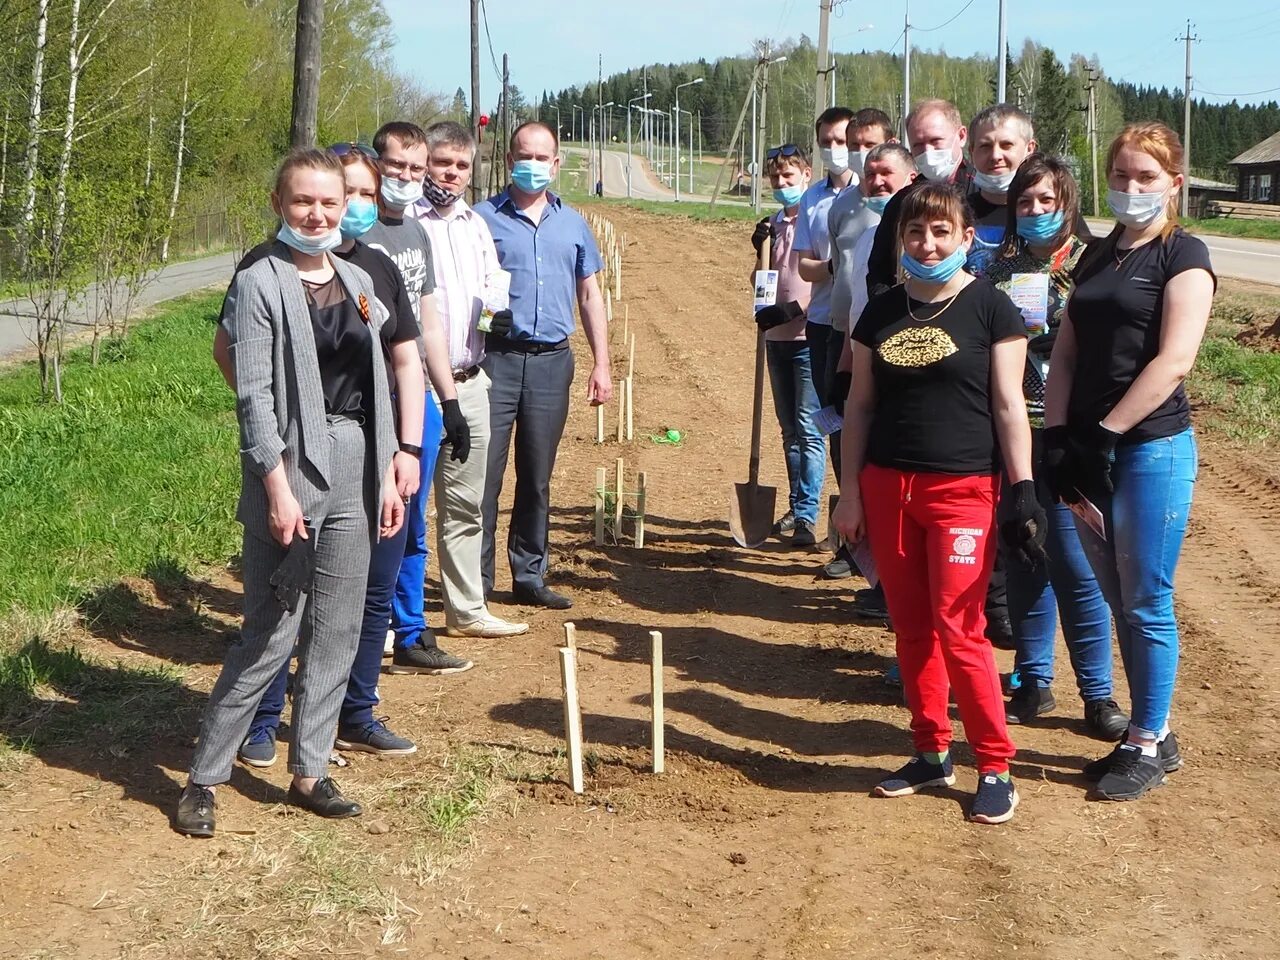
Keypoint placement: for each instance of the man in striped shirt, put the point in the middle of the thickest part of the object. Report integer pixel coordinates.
(466, 265)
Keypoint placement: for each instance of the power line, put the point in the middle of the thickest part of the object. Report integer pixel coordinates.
(1251, 93)
(497, 71)
(948, 23)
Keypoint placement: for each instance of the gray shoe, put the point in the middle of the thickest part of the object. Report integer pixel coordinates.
(374, 737)
(804, 535)
(258, 748)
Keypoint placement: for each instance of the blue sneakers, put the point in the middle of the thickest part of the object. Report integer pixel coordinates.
(374, 737)
(259, 748)
(995, 800)
(918, 774)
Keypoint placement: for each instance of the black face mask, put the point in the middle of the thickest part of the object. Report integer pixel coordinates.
(437, 194)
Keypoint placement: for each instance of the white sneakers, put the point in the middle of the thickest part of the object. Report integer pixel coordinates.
(390, 646)
(488, 627)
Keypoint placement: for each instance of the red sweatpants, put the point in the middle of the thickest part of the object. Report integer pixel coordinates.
(933, 539)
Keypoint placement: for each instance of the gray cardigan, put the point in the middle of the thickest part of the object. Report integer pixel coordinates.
(279, 396)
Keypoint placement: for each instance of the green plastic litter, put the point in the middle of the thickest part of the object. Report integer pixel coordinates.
(669, 435)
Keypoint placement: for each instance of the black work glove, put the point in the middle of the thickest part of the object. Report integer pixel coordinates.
(1023, 533)
(839, 392)
(778, 314)
(297, 570)
(456, 430)
(501, 324)
(1058, 465)
(1095, 452)
(763, 229)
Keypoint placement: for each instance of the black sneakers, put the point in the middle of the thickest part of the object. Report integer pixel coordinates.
(869, 603)
(374, 737)
(1028, 702)
(421, 658)
(1125, 774)
(916, 775)
(995, 800)
(803, 534)
(1105, 720)
(195, 816)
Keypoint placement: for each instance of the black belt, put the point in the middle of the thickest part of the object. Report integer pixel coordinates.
(462, 376)
(505, 345)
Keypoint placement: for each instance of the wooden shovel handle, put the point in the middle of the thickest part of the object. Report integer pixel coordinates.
(757, 402)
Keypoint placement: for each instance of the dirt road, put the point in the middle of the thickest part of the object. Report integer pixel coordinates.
(761, 839)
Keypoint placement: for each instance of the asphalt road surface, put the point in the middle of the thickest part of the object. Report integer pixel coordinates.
(17, 323)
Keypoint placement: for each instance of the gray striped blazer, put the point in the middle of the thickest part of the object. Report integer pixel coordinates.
(279, 396)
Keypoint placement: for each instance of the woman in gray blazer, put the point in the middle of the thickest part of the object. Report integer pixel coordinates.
(316, 441)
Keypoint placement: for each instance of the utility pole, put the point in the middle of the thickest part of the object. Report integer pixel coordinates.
(824, 59)
(1093, 136)
(737, 131)
(1186, 123)
(306, 73)
(764, 130)
(603, 123)
(475, 92)
(1001, 58)
(906, 73)
(506, 102)
(755, 129)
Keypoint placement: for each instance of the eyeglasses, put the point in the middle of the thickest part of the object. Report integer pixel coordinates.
(342, 149)
(786, 150)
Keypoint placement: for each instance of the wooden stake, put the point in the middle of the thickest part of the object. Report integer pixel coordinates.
(599, 423)
(600, 482)
(617, 274)
(655, 680)
(617, 506)
(621, 409)
(608, 307)
(640, 506)
(629, 398)
(571, 636)
(631, 357)
(572, 716)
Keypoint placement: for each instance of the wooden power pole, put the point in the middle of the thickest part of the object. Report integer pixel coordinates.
(475, 98)
(824, 66)
(1189, 38)
(306, 73)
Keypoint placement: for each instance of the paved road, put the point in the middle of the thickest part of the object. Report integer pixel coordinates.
(1238, 257)
(17, 324)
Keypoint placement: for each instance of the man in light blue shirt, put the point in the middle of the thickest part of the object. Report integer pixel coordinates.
(552, 257)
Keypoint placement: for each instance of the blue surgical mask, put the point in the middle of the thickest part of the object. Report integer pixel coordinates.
(939, 272)
(1136, 209)
(1040, 228)
(401, 193)
(361, 215)
(789, 196)
(312, 245)
(531, 176)
(877, 204)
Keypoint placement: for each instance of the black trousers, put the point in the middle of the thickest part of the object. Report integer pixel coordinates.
(530, 398)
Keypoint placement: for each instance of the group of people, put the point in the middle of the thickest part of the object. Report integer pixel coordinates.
(379, 272)
(1009, 392)
(1014, 443)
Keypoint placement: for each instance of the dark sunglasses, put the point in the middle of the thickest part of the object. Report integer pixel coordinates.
(342, 149)
(786, 150)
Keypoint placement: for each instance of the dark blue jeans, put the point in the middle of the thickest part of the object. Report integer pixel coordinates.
(1146, 520)
(384, 567)
(1065, 587)
(407, 613)
(823, 339)
(795, 403)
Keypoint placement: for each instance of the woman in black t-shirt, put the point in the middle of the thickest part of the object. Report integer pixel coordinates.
(1118, 443)
(936, 398)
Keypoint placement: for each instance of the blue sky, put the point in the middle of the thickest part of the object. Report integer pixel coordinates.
(555, 44)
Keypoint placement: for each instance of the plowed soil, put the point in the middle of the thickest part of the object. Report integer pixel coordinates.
(761, 839)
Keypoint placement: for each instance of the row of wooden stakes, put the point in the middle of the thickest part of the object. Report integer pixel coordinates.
(573, 709)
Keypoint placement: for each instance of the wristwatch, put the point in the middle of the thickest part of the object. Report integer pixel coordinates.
(411, 449)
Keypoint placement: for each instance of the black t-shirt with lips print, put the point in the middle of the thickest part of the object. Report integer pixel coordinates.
(1117, 313)
(933, 379)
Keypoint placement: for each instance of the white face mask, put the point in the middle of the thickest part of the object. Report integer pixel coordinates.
(401, 193)
(858, 160)
(993, 182)
(836, 159)
(1137, 209)
(938, 165)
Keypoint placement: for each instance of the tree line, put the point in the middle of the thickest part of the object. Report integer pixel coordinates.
(125, 122)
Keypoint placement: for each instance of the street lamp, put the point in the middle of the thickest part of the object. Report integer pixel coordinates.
(629, 103)
(602, 107)
(558, 132)
(676, 158)
(689, 114)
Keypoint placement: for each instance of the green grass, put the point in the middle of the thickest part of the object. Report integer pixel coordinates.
(1239, 384)
(1219, 226)
(137, 469)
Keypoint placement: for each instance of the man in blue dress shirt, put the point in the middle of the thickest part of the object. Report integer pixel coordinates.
(552, 257)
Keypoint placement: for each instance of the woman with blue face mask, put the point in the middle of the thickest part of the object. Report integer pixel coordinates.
(935, 410)
(1118, 439)
(318, 490)
(1034, 266)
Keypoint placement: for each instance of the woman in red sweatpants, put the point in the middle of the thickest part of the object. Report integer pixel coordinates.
(936, 396)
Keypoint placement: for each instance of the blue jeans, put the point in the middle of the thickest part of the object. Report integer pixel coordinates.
(1146, 519)
(407, 616)
(823, 341)
(1064, 586)
(795, 402)
(385, 563)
